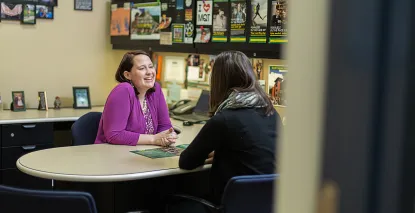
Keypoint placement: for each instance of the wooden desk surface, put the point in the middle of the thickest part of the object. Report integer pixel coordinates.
(103, 162)
(37, 116)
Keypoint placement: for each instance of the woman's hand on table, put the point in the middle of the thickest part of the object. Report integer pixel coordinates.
(209, 160)
(165, 138)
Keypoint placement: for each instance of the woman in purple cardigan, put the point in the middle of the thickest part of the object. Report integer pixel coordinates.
(136, 111)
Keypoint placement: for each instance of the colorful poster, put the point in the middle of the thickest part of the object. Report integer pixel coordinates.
(188, 33)
(145, 21)
(204, 13)
(259, 23)
(120, 20)
(278, 29)
(238, 21)
(188, 16)
(220, 21)
(276, 83)
(202, 35)
(178, 33)
(258, 66)
(164, 22)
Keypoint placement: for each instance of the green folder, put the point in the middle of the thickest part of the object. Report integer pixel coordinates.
(163, 152)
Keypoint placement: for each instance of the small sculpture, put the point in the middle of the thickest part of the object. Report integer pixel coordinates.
(57, 102)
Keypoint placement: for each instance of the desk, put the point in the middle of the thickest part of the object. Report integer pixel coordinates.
(38, 116)
(33, 130)
(103, 162)
(120, 181)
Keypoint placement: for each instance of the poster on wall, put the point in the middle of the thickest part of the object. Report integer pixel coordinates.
(120, 20)
(204, 13)
(188, 33)
(276, 76)
(259, 23)
(258, 67)
(145, 19)
(11, 11)
(202, 35)
(178, 33)
(238, 21)
(278, 29)
(189, 27)
(220, 20)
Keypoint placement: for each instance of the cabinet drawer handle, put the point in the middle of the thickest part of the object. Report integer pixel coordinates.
(29, 126)
(29, 147)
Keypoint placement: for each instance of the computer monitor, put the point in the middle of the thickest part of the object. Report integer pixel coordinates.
(202, 105)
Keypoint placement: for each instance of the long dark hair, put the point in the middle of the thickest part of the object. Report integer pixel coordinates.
(127, 64)
(231, 71)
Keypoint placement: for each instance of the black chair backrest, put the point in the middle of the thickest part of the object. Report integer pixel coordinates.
(14, 200)
(84, 130)
(247, 194)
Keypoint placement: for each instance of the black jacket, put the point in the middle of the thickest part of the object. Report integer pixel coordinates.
(244, 141)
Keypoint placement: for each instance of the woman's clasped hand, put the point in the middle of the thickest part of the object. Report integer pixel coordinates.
(165, 138)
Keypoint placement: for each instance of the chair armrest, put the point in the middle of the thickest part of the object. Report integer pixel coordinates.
(180, 197)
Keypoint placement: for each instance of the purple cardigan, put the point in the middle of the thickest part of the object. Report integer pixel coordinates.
(122, 120)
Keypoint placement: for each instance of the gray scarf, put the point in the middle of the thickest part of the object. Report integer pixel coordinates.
(237, 100)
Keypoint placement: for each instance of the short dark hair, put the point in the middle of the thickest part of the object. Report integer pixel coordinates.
(231, 71)
(127, 64)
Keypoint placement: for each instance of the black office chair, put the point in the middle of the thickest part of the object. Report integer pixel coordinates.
(243, 194)
(84, 130)
(15, 200)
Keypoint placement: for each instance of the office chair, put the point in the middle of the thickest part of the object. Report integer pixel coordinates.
(243, 194)
(15, 200)
(84, 130)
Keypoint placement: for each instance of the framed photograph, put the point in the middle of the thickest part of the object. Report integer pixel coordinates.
(10, 11)
(44, 12)
(43, 101)
(85, 5)
(81, 98)
(53, 3)
(19, 103)
(29, 14)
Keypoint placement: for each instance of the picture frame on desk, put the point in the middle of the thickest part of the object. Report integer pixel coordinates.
(43, 101)
(81, 98)
(19, 103)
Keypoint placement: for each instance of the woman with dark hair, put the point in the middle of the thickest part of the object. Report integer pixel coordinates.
(241, 135)
(136, 111)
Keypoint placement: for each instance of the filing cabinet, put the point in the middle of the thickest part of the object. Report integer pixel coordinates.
(17, 140)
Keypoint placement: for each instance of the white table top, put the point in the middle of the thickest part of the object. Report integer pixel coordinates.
(103, 162)
(37, 116)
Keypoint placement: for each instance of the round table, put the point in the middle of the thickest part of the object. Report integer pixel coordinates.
(104, 162)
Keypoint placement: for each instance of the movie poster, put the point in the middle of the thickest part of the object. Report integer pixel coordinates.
(178, 33)
(204, 13)
(220, 20)
(145, 19)
(278, 29)
(238, 21)
(259, 23)
(120, 20)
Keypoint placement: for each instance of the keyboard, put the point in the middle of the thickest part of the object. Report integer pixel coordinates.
(191, 117)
